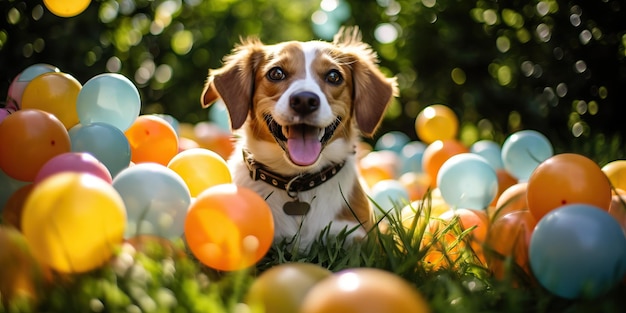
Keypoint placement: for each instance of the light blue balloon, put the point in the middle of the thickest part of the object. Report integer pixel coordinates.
(490, 150)
(523, 151)
(411, 157)
(578, 251)
(388, 195)
(35, 70)
(393, 140)
(109, 98)
(156, 200)
(105, 142)
(467, 181)
(218, 115)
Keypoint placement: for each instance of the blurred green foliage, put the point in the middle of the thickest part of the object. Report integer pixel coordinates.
(550, 65)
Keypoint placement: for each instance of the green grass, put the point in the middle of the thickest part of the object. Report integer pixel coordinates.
(170, 280)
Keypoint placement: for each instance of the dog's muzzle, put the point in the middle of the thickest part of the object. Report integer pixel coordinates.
(303, 143)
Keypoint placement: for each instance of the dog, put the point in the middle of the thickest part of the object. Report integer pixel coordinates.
(300, 109)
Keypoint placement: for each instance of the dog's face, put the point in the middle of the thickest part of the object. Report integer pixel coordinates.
(302, 95)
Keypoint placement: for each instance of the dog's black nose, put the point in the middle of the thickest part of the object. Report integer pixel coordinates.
(304, 102)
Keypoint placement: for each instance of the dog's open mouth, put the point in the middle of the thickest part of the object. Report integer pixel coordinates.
(302, 142)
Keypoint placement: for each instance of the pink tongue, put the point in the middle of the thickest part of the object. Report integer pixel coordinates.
(303, 145)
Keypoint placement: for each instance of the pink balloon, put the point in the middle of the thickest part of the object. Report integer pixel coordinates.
(74, 162)
(16, 89)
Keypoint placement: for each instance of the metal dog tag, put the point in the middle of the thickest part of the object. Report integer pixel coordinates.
(296, 207)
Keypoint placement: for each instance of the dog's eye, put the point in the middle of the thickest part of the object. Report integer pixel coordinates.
(276, 73)
(334, 77)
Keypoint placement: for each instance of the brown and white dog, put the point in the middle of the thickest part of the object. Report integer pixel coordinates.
(300, 108)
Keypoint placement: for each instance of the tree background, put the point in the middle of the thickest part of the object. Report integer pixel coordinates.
(550, 65)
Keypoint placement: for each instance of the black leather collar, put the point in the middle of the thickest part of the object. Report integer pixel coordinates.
(302, 182)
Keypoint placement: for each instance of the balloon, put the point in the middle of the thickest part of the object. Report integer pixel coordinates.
(66, 8)
(19, 83)
(411, 157)
(437, 153)
(54, 93)
(74, 222)
(416, 184)
(387, 195)
(393, 140)
(110, 98)
(578, 251)
(170, 120)
(489, 150)
(364, 290)
(74, 162)
(4, 112)
(467, 181)
(618, 207)
(105, 142)
(282, 288)
(229, 227)
(509, 237)
(436, 122)
(12, 212)
(616, 172)
(152, 139)
(156, 200)
(21, 276)
(29, 138)
(218, 115)
(565, 179)
(8, 185)
(200, 169)
(210, 136)
(378, 165)
(512, 199)
(448, 239)
(523, 151)
(505, 180)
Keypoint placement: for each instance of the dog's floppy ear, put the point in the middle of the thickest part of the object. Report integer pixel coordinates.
(234, 82)
(373, 91)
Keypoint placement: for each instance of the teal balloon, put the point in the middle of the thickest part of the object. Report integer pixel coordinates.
(156, 200)
(109, 98)
(393, 140)
(8, 185)
(388, 195)
(105, 142)
(411, 157)
(578, 251)
(490, 150)
(467, 181)
(218, 115)
(523, 151)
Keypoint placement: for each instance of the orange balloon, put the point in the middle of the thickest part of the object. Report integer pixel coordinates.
(12, 212)
(151, 139)
(376, 166)
(416, 184)
(618, 207)
(505, 180)
(509, 236)
(437, 153)
(29, 138)
(229, 227)
(210, 136)
(450, 243)
(54, 93)
(566, 179)
(436, 122)
(511, 200)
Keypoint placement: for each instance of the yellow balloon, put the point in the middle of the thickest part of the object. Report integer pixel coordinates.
(436, 122)
(55, 93)
(74, 221)
(616, 172)
(200, 169)
(66, 8)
